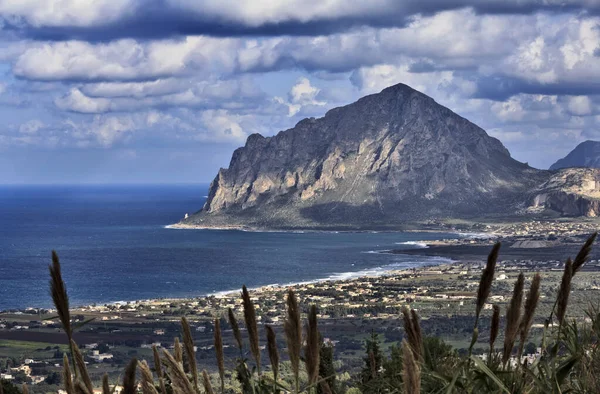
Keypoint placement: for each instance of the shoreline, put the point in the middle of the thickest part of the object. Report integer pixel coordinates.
(426, 261)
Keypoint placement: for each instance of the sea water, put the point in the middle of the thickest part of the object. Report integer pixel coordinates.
(114, 246)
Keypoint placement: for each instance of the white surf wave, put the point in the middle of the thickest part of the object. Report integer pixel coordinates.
(415, 244)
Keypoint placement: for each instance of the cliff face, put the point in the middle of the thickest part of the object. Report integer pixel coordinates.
(586, 154)
(388, 158)
(570, 192)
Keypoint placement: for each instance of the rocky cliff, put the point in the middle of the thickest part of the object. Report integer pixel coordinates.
(388, 158)
(570, 192)
(586, 154)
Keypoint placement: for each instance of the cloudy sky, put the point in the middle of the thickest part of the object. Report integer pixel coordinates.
(111, 91)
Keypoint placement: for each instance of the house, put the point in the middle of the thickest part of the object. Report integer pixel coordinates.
(97, 357)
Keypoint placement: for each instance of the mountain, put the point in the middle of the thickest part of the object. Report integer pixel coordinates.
(586, 154)
(387, 159)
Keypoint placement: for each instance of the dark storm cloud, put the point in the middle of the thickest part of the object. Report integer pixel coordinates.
(501, 88)
(154, 19)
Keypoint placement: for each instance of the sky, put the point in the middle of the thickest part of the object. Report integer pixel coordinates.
(163, 91)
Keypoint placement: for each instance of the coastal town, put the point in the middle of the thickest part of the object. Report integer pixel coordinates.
(32, 342)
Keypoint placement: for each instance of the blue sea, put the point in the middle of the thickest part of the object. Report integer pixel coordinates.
(113, 246)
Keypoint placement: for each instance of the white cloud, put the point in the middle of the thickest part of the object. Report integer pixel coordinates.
(580, 105)
(66, 12)
(76, 101)
(301, 96)
(125, 59)
(31, 127)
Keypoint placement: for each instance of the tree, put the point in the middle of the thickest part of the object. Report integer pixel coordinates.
(373, 361)
(103, 348)
(53, 378)
(9, 388)
(326, 368)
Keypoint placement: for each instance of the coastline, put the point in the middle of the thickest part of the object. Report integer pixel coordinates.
(389, 270)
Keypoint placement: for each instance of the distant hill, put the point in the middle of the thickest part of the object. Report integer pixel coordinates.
(387, 159)
(586, 154)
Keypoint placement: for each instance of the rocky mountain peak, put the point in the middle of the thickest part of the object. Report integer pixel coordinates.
(387, 158)
(586, 154)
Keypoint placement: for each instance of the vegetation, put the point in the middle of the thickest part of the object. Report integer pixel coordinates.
(569, 359)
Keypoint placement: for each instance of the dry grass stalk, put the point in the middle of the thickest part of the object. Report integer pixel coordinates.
(158, 369)
(311, 350)
(219, 353)
(178, 351)
(188, 342)
(251, 326)
(157, 364)
(293, 335)
(80, 388)
(564, 291)
(179, 380)
(513, 318)
(105, 385)
(129, 386)
(67, 377)
(58, 291)
(273, 352)
(584, 253)
(235, 328)
(533, 296)
(487, 277)
(412, 330)
(60, 298)
(411, 372)
(495, 327)
(81, 368)
(206, 382)
(147, 380)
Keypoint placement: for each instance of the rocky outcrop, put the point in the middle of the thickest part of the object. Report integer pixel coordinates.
(570, 192)
(388, 158)
(586, 154)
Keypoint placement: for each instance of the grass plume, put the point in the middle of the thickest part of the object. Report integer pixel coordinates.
(81, 368)
(531, 302)
(513, 318)
(188, 343)
(235, 327)
(564, 291)
(177, 351)
(129, 386)
(293, 336)
(311, 350)
(273, 352)
(219, 353)
(146, 379)
(494, 327)
(412, 330)
(251, 326)
(206, 382)
(411, 373)
(485, 283)
(179, 380)
(67, 377)
(584, 253)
